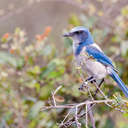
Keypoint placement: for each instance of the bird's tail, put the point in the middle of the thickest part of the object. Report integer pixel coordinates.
(120, 83)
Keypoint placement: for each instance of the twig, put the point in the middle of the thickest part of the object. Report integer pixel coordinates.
(100, 90)
(86, 118)
(53, 95)
(74, 105)
(78, 107)
(53, 98)
(57, 89)
(91, 116)
(72, 120)
(65, 118)
(56, 107)
(107, 98)
(76, 117)
(90, 94)
(102, 94)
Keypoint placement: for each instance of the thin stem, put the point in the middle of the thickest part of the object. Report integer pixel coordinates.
(86, 118)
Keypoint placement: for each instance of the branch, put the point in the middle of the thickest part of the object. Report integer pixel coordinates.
(91, 116)
(79, 111)
(74, 105)
(86, 118)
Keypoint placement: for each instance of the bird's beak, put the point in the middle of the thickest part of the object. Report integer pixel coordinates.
(67, 34)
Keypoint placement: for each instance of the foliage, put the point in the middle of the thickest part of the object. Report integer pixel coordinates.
(31, 71)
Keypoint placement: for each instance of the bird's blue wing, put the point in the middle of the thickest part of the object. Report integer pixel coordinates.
(102, 58)
(99, 56)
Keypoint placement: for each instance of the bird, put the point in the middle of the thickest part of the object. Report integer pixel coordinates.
(92, 60)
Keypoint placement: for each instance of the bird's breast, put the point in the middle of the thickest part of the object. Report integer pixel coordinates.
(90, 65)
(82, 57)
(96, 69)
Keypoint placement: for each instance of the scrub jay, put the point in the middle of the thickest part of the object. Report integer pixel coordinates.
(91, 58)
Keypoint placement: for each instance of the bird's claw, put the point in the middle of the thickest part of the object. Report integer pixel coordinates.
(83, 85)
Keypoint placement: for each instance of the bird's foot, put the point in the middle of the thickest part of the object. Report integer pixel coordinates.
(84, 85)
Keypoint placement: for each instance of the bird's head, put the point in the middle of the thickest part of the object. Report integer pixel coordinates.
(80, 35)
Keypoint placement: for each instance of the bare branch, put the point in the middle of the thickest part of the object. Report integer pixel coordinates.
(65, 118)
(86, 118)
(91, 116)
(102, 93)
(53, 95)
(56, 107)
(76, 117)
(74, 105)
(79, 112)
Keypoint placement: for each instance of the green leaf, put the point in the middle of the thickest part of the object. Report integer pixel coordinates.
(51, 67)
(35, 109)
(4, 40)
(74, 20)
(37, 86)
(46, 91)
(115, 38)
(34, 70)
(6, 58)
(124, 11)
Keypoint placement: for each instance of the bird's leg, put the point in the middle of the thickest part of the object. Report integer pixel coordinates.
(89, 78)
(85, 83)
(98, 89)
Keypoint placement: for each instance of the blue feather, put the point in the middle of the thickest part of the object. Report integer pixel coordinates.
(102, 58)
(120, 83)
(79, 48)
(99, 56)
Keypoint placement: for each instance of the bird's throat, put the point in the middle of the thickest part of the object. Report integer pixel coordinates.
(78, 48)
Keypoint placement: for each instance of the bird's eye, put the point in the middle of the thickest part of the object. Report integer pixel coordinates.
(78, 32)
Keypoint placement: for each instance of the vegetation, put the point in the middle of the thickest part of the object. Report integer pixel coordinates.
(30, 71)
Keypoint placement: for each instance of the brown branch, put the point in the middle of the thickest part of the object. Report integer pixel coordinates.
(76, 117)
(65, 118)
(78, 107)
(86, 117)
(56, 107)
(54, 93)
(91, 116)
(75, 106)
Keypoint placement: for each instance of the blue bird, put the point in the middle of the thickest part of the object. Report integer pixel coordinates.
(92, 59)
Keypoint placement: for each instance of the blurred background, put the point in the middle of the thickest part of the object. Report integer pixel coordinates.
(35, 59)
